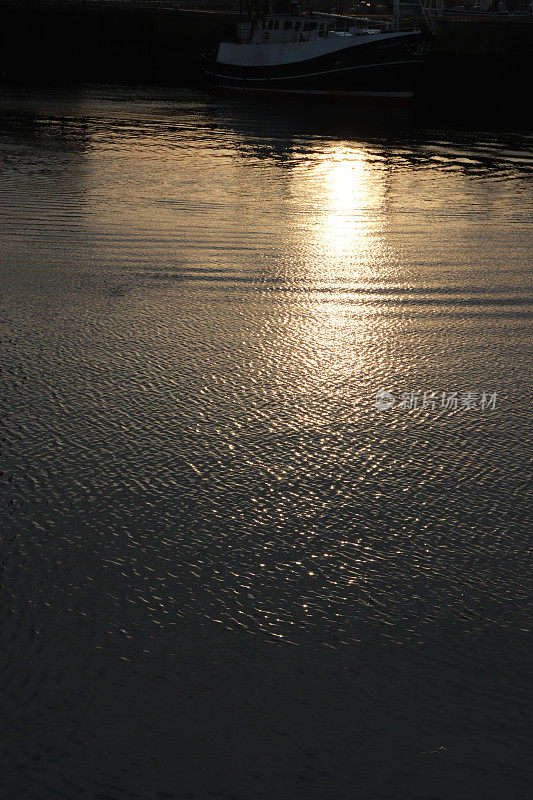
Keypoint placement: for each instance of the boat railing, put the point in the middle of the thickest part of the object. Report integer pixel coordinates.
(349, 24)
(309, 27)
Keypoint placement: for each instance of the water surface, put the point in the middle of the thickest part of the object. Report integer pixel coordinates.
(226, 573)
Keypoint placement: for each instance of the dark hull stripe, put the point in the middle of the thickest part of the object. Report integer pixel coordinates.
(316, 74)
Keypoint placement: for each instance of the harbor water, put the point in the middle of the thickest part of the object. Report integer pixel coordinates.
(227, 571)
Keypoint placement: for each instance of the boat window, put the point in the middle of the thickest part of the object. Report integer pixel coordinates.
(288, 25)
(270, 24)
(310, 26)
(297, 26)
(276, 24)
(321, 29)
(265, 24)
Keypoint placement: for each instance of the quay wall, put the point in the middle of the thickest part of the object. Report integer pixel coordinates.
(106, 41)
(480, 59)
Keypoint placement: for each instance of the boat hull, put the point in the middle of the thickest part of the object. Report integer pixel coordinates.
(385, 69)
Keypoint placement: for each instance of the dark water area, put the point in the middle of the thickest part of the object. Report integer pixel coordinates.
(225, 573)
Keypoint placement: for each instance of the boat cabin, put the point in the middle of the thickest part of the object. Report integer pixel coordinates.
(279, 28)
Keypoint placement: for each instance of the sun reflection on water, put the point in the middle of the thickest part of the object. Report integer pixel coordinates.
(346, 190)
(342, 256)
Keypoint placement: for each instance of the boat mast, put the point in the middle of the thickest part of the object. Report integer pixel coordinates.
(431, 9)
(396, 15)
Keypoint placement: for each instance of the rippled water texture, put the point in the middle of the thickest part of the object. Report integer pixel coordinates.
(225, 572)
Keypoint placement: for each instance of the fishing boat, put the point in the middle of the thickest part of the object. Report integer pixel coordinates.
(297, 53)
